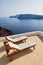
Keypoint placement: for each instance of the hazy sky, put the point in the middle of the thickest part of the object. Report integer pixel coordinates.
(13, 7)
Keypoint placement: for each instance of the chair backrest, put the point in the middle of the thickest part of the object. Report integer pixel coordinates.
(13, 45)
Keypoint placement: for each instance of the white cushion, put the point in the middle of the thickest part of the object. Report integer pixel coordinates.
(13, 45)
(17, 39)
(27, 44)
(22, 45)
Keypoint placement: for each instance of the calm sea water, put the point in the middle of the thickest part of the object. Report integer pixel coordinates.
(20, 26)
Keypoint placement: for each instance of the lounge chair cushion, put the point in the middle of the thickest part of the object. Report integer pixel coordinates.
(22, 45)
(27, 44)
(16, 39)
(13, 45)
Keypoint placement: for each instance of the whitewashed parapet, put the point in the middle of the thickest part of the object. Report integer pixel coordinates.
(2, 39)
(40, 33)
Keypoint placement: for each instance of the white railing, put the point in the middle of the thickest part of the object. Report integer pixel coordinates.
(40, 33)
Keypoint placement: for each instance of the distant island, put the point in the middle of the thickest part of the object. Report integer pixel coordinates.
(27, 16)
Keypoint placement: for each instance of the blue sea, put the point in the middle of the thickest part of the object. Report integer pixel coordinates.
(20, 26)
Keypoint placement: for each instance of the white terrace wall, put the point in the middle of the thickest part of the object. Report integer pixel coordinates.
(27, 34)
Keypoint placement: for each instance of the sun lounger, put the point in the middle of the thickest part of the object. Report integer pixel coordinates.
(22, 45)
(17, 39)
(17, 47)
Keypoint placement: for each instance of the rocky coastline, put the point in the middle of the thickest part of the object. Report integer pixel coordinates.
(5, 32)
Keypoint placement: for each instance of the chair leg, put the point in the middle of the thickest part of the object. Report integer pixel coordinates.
(24, 41)
(10, 58)
(7, 52)
(34, 47)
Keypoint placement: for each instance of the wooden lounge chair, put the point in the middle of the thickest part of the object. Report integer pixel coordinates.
(18, 39)
(22, 45)
(18, 47)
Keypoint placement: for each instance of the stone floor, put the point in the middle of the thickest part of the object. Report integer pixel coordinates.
(27, 57)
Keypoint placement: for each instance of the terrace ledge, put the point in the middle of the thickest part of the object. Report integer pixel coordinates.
(40, 33)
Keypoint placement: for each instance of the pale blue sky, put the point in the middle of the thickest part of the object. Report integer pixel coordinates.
(13, 7)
